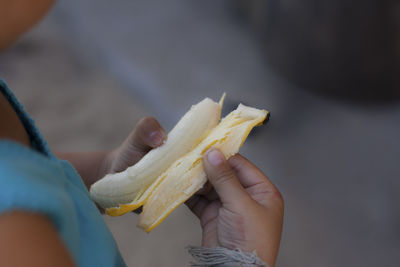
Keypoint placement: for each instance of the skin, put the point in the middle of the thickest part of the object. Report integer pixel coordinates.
(29, 239)
(17, 16)
(240, 207)
(10, 126)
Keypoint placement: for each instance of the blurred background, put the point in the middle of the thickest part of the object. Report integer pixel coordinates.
(328, 71)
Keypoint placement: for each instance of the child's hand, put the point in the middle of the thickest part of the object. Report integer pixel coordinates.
(93, 166)
(244, 210)
(147, 135)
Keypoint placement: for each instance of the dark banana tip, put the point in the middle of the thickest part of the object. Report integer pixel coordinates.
(267, 117)
(138, 210)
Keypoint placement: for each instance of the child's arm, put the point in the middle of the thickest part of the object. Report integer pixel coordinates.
(92, 166)
(29, 239)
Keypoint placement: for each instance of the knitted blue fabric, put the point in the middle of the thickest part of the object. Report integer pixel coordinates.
(33, 179)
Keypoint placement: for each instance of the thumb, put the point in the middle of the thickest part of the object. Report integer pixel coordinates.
(232, 194)
(148, 134)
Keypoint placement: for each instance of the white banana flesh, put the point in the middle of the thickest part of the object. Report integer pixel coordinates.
(115, 190)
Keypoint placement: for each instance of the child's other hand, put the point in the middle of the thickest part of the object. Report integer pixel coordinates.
(93, 166)
(244, 210)
(147, 135)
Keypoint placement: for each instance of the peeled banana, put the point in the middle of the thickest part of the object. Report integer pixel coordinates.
(170, 174)
(126, 187)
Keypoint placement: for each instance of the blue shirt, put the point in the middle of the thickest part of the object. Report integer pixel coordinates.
(34, 180)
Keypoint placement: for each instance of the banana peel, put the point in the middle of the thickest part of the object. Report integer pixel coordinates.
(185, 175)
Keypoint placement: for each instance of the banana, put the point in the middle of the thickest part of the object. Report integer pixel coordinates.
(169, 175)
(186, 175)
(125, 191)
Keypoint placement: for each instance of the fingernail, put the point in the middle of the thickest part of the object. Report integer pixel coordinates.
(215, 157)
(156, 138)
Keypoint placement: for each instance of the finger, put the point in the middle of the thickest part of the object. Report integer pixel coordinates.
(210, 213)
(256, 183)
(148, 134)
(139, 142)
(207, 187)
(247, 173)
(197, 204)
(231, 192)
(211, 195)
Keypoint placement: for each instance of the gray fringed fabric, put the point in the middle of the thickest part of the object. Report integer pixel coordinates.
(223, 257)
